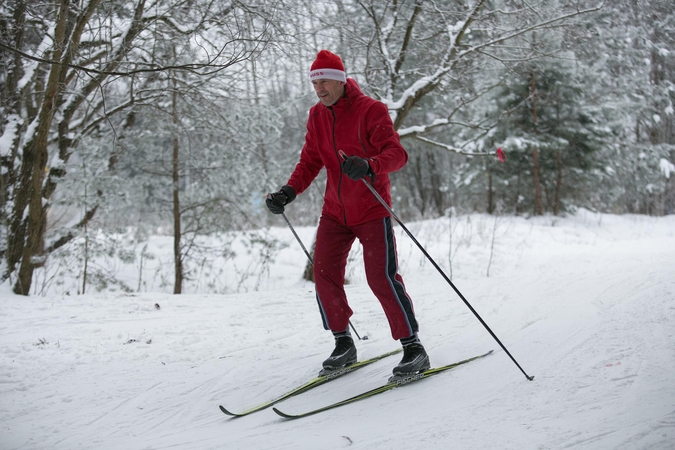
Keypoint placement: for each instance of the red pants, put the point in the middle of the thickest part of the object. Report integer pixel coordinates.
(333, 242)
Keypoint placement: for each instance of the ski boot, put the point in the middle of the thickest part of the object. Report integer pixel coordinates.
(415, 360)
(344, 355)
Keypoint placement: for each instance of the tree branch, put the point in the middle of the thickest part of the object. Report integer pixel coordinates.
(454, 149)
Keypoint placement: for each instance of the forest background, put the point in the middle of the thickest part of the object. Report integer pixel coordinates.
(124, 120)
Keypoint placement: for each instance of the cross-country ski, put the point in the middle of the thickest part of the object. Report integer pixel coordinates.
(384, 388)
(314, 382)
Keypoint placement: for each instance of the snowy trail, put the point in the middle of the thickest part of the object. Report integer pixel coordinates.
(586, 305)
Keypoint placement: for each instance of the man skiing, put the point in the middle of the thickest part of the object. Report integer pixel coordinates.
(353, 137)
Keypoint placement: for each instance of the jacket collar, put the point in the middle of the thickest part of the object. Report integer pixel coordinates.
(352, 91)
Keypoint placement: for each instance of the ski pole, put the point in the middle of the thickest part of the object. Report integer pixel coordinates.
(312, 261)
(391, 212)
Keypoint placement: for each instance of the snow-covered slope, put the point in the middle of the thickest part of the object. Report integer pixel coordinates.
(586, 304)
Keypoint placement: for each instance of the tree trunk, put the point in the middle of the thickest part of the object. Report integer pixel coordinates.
(538, 204)
(177, 257)
(489, 199)
(517, 208)
(558, 184)
(30, 231)
(308, 275)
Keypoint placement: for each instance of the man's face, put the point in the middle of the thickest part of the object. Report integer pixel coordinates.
(328, 91)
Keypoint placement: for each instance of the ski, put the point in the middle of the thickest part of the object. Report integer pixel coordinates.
(314, 382)
(384, 388)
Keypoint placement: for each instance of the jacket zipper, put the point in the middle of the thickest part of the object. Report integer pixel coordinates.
(337, 155)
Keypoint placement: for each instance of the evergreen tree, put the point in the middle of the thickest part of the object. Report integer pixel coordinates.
(551, 135)
(627, 50)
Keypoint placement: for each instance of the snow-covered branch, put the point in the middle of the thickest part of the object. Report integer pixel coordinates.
(454, 149)
(423, 85)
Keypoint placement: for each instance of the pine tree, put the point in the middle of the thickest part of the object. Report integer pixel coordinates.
(551, 135)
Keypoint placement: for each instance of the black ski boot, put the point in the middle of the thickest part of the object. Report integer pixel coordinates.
(343, 355)
(414, 361)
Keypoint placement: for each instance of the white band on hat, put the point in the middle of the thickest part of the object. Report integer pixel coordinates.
(328, 74)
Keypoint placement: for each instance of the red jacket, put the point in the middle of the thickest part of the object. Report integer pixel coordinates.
(358, 125)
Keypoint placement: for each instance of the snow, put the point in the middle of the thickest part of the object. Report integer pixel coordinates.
(30, 65)
(584, 303)
(9, 135)
(422, 128)
(411, 91)
(57, 162)
(666, 167)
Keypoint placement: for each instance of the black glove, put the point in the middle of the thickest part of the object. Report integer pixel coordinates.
(277, 200)
(355, 167)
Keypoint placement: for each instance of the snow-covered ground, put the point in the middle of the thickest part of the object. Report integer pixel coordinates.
(586, 304)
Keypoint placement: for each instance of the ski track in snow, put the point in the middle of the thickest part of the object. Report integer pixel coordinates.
(586, 304)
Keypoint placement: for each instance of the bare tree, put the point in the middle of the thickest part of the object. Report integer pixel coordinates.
(425, 59)
(70, 69)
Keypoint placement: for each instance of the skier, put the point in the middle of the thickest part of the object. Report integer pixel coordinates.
(353, 137)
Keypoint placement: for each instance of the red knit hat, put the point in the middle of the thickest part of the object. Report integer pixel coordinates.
(327, 66)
